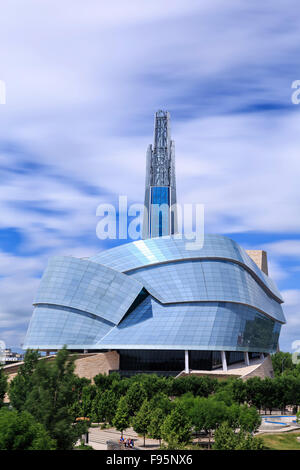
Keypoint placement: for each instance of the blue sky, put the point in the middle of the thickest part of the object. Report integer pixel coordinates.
(83, 81)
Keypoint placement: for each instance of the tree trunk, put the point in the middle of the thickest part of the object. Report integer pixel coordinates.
(144, 440)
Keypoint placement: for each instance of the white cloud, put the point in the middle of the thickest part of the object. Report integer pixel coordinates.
(291, 331)
(285, 248)
(276, 271)
(291, 297)
(83, 82)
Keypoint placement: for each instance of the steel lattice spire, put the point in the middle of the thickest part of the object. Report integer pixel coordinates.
(160, 181)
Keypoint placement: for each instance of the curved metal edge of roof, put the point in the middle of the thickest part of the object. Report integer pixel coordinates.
(267, 281)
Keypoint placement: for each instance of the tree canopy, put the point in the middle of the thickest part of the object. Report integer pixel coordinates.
(3, 385)
(48, 396)
(20, 431)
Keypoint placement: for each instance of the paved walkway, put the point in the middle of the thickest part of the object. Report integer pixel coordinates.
(239, 369)
(98, 438)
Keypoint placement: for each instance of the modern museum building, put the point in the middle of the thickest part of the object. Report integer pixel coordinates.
(160, 305)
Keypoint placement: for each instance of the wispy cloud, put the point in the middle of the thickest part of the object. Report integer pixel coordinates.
(284, 248)
(83, 82)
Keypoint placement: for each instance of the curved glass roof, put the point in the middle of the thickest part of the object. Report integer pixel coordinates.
(205, 280)
(87, 286)
(153, 251)
(214, 298)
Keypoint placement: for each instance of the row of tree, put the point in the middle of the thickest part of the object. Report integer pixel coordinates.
(48, 396)
(177, 421)
(100, 401)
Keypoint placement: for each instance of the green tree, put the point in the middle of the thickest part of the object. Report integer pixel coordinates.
(122, 416)
(270, 396)
(197, 413)
(135, 396)
(155, 426)
(255, 392)
(176, 428)
(208, 413)
(141, 420)
(249, 419)
(51, 397)
(203, 386)
(152, 384)
(187, 401)
(120, 387)
(161, 401)
(3, 385)
(282, 362)
(20, 431)
(215, 413)
(104, 382)
(227, 439)
(224, 395)
(233, 415)
(88, 395)
(289, 390)
(79, 384)
(104, 406)
(237, 388)
(21, 385)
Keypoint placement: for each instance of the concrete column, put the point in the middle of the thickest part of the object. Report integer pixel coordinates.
(262, 356)
(246, 358)
(186, 360)
(224, 362)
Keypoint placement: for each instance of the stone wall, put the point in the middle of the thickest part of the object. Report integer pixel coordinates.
(260, 258)
(86, 365)
(265, 369)
(100, 363)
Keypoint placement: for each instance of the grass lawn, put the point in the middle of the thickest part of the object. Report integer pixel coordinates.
(284, 441)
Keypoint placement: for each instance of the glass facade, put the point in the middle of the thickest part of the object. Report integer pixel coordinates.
(155, 298)
(151, 360)
(159, 250)
(172, 361)
(200, 280)
(87, 286)
(57, 326)
(160, 211)
(204, 304)
(194, 326)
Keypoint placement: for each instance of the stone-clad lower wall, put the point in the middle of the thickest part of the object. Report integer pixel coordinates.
(100, 363)
(88, 365)
(265, 369)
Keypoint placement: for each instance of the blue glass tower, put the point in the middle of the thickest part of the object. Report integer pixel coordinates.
(160, 217)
